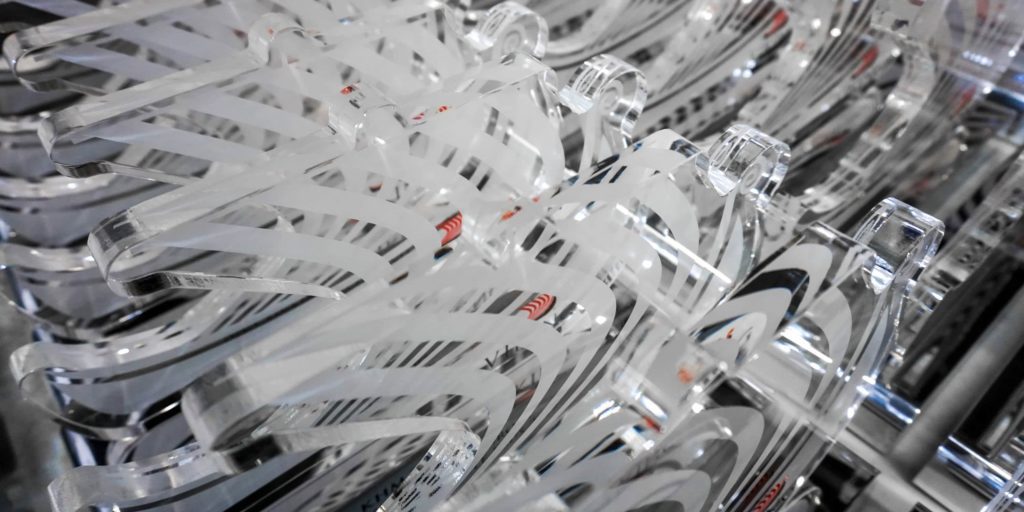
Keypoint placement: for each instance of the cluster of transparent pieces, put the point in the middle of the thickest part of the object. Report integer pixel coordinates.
(311, 254)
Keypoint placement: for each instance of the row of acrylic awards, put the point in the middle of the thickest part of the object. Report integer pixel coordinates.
(402, 255)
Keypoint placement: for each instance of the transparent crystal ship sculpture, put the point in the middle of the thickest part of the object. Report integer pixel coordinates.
(216, 416)
(721, 171)
(403, 296)
(291, 439)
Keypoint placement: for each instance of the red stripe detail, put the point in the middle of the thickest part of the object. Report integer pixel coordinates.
(778, 21)
(452, 228)
(771, 495)
(965, 99)
(525, 395)
(651, 424)
(539, 306)
(866, 60)
(685, 376)
(508, 214)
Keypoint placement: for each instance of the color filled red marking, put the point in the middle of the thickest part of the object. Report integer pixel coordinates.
(771, 495)
(452, 228)
(508, 214)
(685, 376)
(539, 306)
(651, 424)
(866, 60)
(347, 90)
(442, 108)
(965, 99)
(525, 395)
(778, 21)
